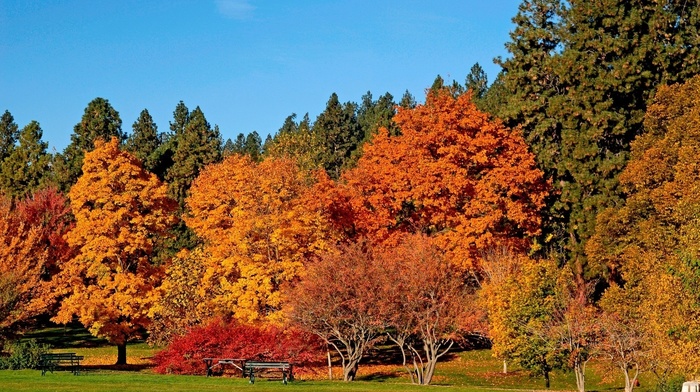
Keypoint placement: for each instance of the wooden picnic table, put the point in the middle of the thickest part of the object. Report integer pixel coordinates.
(211, 363)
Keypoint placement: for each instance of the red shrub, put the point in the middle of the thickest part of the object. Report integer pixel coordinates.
(232, 340)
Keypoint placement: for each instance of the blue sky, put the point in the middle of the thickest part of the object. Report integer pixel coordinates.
(248, 64)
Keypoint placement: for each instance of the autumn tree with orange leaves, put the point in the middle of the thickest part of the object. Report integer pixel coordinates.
(258, 229)
(31, 247)
(121, 211)
(453, 174)
(21, 264)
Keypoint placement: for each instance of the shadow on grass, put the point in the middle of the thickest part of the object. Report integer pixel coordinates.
(120, 368)
(72, 335)
(379, 376)
(390, 354)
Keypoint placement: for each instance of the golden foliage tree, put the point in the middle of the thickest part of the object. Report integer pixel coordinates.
(647, 247)
(257, 227)
(121, 211)
(521, 320)
(181, 304)
(453, 174)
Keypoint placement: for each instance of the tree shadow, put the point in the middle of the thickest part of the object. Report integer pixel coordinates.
(72, 335)
(379, 376)
(389, 353)
(121, 368)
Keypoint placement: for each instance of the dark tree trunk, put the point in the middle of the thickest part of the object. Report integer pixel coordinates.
(121, 354)
(350, 371)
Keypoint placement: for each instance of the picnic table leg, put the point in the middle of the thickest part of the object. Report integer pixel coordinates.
(208, 365)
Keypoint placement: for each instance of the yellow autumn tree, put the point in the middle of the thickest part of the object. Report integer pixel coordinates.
(121, 211)
(181, 304)
(257, 227)
(648, 247)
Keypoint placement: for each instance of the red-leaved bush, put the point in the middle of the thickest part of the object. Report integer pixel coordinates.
(220, 339)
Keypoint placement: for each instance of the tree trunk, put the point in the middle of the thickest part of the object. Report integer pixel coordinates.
(330, 365)
(350, 370)
(546, 379)
(121, 354)
(630, 382)
(505, 367)
(580, 372)
(429, 371)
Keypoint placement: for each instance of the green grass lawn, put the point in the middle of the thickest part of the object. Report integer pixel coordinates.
(31, 380)
(474, 370)
(468, 371)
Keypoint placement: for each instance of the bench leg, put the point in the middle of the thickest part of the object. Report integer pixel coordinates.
(252, 377)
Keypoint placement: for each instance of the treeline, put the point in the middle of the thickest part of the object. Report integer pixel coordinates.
(562, 198)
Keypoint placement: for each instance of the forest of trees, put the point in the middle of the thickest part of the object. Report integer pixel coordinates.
(553, 211)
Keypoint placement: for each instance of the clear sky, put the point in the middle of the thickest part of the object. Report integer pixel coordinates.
(246, 63)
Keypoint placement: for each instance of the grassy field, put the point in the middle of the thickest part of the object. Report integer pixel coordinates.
(466, 371)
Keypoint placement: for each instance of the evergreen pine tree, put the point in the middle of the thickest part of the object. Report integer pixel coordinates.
(228, 148)
(239, 145)
(477, 82)
(339, 135)
(195, 146)
(191, 145)
(408, 101)
(253, 146)
(27, 166)
(494, 98)
(100, 121)
(181, 116)
(372, 115)
(578, 83)
(438, 83)
(9, 132)
(145, 141)
(289, 125)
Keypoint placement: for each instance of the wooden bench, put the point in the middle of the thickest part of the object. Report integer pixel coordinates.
(52, 361)
(250, 368)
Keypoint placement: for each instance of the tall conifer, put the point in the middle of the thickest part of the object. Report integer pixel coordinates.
(100, 121)
(578, 81)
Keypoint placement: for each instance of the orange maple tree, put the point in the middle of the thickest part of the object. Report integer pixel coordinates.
(21, 264)
(121, 211)
(257, 227)
(453, 174)
(31, 245)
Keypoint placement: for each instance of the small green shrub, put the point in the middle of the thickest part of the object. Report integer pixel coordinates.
(24, 354)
